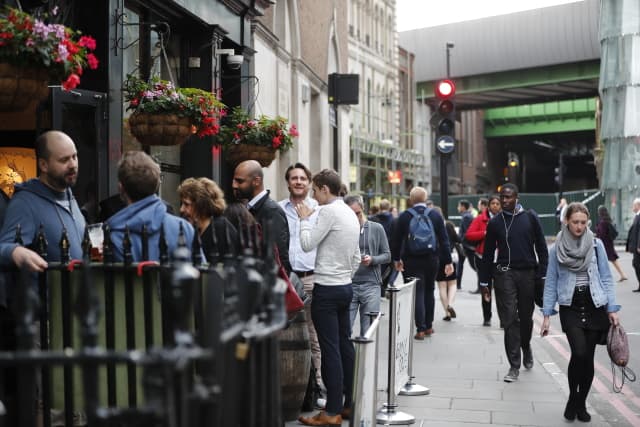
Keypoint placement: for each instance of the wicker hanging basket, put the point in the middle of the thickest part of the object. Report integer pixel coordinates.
(160, 129)
(19, 87)
(241, 152)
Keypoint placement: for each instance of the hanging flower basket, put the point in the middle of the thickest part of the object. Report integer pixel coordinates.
(160, 129)
(33, 51)
(19, 87)
(240, 152)
(245, 138)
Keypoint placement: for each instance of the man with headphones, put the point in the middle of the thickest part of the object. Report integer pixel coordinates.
(522, 257)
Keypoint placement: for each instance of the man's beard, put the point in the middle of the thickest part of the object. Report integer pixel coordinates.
(243, 194)
(61, 181)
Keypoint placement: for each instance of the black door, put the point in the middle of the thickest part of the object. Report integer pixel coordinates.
(81, 114)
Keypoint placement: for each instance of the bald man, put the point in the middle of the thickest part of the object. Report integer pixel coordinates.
(421, 264)
(45, 200)
(248, 186)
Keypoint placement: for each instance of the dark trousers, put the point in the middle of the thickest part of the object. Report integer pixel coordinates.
(636, 266)
(486, 305)
(459, 268)
(514, 298)
(424, 269)
(330, 314)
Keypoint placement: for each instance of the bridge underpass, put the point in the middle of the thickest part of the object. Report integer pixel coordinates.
(520, 78)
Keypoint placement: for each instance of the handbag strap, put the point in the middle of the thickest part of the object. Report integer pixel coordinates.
(625, 373)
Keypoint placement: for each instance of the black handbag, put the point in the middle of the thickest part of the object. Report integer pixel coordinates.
(618, 349)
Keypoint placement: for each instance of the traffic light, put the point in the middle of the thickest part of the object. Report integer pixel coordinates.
(445, 117)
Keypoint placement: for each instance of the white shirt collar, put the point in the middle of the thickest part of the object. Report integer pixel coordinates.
(253, 201)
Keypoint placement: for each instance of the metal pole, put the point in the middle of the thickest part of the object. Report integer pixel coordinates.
(444, 196)
(411, 388)
(388, 415)
(336, 161)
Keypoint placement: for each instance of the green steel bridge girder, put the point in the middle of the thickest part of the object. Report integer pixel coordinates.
(505, 80)
(544, 118)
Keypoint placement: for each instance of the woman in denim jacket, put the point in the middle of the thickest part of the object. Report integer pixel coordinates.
(579, 280)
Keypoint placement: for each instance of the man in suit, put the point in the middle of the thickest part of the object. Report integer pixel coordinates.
(248, 185)
(633, 241)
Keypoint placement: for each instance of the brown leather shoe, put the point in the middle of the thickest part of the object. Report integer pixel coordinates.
(346, 413)
(428, 332)
(321, 419)
(419, 335)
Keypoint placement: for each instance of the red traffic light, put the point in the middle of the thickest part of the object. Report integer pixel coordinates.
(445, 89)
(445, 108)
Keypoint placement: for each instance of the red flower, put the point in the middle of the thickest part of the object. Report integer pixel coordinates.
(134, 102)
(88, 42)
(92, 61)
(276, 141)
(72, 48)
(6, 35)
(72, 81)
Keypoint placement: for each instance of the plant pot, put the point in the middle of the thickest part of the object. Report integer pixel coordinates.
(241, 152)
(19, 87)
(160, 129)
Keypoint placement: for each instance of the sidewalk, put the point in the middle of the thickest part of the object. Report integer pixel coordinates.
(463, 364)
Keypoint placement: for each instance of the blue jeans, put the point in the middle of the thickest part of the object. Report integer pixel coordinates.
(424, 269)
(330, 314)
(367, 297)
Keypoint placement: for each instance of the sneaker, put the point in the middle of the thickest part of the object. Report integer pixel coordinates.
(512, 375)
(527, 358)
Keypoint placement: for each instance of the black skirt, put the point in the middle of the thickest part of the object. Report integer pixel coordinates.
(582, 313)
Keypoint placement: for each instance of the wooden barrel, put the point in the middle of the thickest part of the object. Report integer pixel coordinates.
(295, 363)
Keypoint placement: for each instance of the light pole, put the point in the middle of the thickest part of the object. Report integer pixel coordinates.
(444, 196)
(450, 45)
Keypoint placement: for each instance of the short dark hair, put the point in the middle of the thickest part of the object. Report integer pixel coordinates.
(465, 204)
(298, 166)
(510, 186)
(330, 178)
(42, 148)
(139, 175)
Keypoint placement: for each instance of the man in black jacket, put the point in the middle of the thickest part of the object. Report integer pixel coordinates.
(421, 265)
(248, 185)
(633, 241)
(522, 257)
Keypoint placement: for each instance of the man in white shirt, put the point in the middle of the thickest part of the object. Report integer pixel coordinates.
(298, 178)
(336, 236)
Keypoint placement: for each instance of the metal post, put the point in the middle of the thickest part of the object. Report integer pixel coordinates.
(388, 415)
(336, 161)
(444, 196)
(411, 388)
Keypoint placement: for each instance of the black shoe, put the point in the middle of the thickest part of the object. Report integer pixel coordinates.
(570, 410)
(636, 290)
(452, 312)
(583, 415)
(527, 358)
(486, 323)
(447, 318)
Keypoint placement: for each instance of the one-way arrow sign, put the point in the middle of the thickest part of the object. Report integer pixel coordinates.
(446, 144)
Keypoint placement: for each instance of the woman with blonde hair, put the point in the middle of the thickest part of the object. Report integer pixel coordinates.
(580, 282)
(202, 203)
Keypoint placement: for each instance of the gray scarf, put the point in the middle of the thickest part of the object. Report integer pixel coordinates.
(574, 253)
